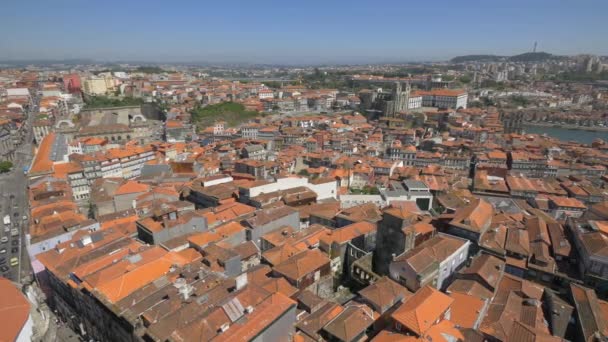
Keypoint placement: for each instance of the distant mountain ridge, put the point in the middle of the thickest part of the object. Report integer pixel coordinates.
(524, 57)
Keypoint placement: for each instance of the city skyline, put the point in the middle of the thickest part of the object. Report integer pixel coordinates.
(276, 33)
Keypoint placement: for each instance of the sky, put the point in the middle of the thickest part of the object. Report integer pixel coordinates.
(297, 32)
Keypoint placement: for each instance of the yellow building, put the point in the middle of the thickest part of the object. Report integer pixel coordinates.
(95, 86)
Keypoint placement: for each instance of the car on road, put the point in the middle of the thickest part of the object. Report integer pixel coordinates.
(15, 242)
(2, 260)
(4, 239)
(16, 215)
(24, 217)
(14, 232)
(14, 261)
(3, 268)
(3, 250)
(7, 229)
(15, 250)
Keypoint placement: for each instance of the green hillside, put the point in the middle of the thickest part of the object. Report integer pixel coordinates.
(232, 113)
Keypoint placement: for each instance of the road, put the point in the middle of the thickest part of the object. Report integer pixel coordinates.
(14, 202)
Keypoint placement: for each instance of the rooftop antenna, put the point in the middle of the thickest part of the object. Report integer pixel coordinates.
(535, 44)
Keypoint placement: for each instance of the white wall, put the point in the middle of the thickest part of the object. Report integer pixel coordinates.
(218, 181)
(325, 190)
(280, 184)
(348, 201)
(452, 263)
(26, 332)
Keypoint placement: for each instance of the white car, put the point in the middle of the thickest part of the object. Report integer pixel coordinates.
(7, 229)
(3, 251)
(4, 239)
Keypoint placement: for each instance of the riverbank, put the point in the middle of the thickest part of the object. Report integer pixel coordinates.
(569, 127)
(565, 134)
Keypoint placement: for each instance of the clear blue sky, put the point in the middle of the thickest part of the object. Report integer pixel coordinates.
(307, 31)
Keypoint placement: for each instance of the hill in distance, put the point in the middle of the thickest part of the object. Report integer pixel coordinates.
(524, 57)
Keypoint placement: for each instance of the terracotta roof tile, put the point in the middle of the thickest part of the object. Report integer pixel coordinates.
(422, 310)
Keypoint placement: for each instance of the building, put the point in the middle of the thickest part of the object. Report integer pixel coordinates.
(421, 311)
(17, 323)
(590, 239)
(444, 98)
(396, 235)
(95, 86)
(430, 263)
(409, 191)
(472, 221)
(304, 269)
(71, 83)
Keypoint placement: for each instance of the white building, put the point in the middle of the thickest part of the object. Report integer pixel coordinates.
(414, 102)
(349, 201)
(409, 190)
(444, 98)
(265, 94)
(431, 263)
(324, 188)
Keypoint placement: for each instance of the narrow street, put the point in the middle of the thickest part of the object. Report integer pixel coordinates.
(15, 204)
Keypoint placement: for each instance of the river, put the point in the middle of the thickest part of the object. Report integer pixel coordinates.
(585, 137)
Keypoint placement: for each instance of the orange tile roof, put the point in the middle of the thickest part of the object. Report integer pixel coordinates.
(419, 312)
(118, 288)
(391, 336)
(281, 253)
(281, 285)
(465, 309)
(131, 187)
(14, 310)
(440, 92)
(263, 315)
(568, 202)
(347, 233)
(203, 239)
(63, 169)
(302, 264)
(444, 331)
(42, 162)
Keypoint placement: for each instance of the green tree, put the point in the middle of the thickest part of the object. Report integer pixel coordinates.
(5, 166)
(465, 79)
(104, 101)
(519, 100)
(231, 112)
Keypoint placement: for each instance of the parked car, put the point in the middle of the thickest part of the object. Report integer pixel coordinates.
(15, 242)
(3, 250)
(15, 250)
(4, 239)
(14, 261)
(3, 268)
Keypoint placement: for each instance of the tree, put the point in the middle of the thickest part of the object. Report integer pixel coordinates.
(465, 79)
(303, 172)
(5, 166)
